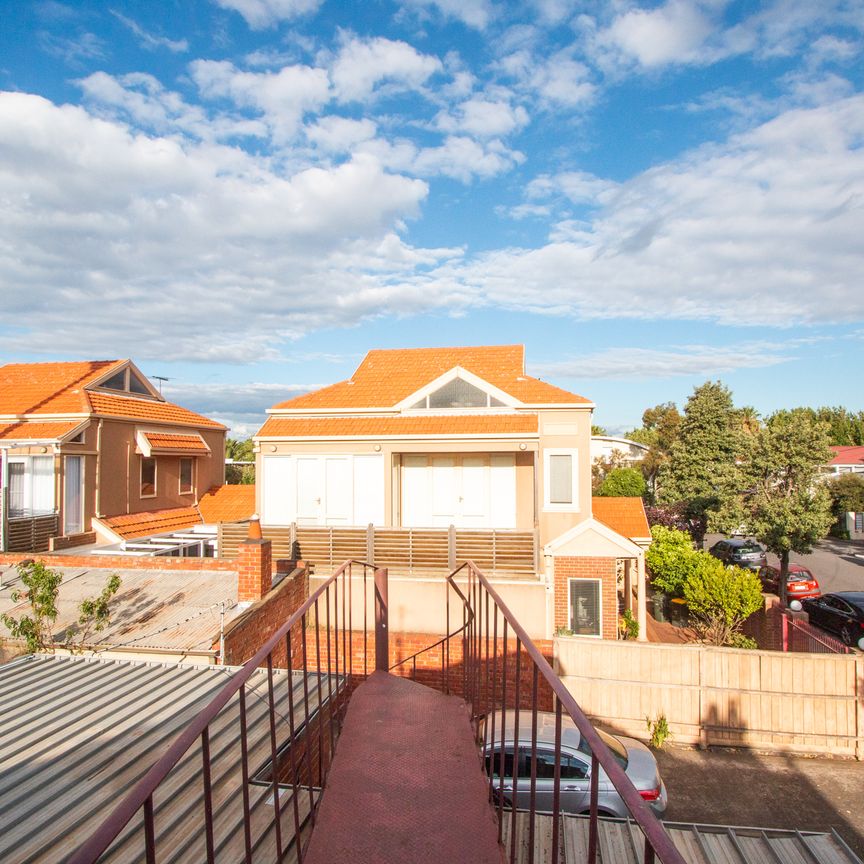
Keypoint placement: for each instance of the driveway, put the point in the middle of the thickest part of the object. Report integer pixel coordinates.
(745, 788)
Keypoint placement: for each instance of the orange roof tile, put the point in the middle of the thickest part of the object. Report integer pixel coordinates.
(436, 424)
(176, 443)
(49, 388)
(30, 431)
(150, 522)
(147, 409)
(228, 503)
(386, 377)
(626, 516)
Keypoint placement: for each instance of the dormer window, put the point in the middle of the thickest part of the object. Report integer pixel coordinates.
(126, 381)
(458, 393)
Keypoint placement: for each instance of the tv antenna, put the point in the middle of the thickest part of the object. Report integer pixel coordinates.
(160, 379)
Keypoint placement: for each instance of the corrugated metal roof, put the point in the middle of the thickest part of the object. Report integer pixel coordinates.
(76, 734)
(175, 610)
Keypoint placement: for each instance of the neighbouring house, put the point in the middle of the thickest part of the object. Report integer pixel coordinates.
(623, 451)
(458, 452)
(848, 460)
(87, 441)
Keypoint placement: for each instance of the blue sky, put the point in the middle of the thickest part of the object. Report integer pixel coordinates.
(247, 195)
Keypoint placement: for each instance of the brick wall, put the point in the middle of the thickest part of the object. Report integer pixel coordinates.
(57, 543)
(247, 633)
(254, 570)
(123, 562)
(604, 569)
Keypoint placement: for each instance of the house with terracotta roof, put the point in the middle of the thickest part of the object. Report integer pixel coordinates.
(848, 460)
(85, 442)
(458, 440)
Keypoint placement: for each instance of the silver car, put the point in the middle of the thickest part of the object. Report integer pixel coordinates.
(636, 759)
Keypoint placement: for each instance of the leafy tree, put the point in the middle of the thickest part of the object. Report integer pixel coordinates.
(670, 559)
(788, 509)
(42, 587)
(598, 430)
(845, 428)
(660, 430)
(678, 516)
(847, 496)
(240, 451)
(720, 599)
(704, 466)
(622, 482)
(601, 466)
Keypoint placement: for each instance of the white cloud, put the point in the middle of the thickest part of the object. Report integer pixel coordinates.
(282, 97)
(484, 118)
(692, 360)
(364, 64)
(148, 40)
(266, 13)
(474, 13)
(557, 80)
(340, 134)
(579, 187)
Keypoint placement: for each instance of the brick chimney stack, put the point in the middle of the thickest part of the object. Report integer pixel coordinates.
(254, 564)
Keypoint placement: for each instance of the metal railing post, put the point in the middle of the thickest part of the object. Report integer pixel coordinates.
(382, 642)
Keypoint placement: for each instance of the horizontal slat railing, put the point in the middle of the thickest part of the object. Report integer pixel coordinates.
(223, 815)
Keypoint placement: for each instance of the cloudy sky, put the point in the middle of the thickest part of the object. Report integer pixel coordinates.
(245, 196)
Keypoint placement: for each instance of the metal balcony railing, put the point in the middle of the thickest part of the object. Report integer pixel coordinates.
(243, 780)
(502, 668)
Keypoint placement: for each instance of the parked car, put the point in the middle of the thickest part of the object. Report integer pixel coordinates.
(841, 613)
(575, 794)
(800, 582)
(739, 552)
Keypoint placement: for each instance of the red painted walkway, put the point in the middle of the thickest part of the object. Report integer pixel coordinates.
(406, 784)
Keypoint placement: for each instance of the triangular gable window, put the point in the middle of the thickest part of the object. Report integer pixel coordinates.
(116, 381)
(458, 393)
(136, 385)
(126, 381)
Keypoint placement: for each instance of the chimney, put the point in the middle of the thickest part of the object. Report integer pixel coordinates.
(254, 564)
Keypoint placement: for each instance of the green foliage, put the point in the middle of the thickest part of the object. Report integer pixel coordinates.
(670, 559)
(661, 427)
(658, 731)
(678, 516)
(628, 626)
(598, 430)
(240, 451)
(37, 628)
(845, 428)
(720, 599)
(620, 482)
(847, 494)
(704, 465)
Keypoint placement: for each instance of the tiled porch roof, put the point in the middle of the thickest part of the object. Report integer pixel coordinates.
(450, 424)
(133, 525)
(625, 516)
(25, 431)
(165, 442)
(228, 503)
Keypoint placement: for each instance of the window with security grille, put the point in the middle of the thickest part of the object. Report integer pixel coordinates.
(585, 611)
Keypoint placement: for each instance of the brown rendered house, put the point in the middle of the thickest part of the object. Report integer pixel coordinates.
(94, 439)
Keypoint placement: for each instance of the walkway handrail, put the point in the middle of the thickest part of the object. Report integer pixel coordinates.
(657, 841)
(467, 618)
(141, 795)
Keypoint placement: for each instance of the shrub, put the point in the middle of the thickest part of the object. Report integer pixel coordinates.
(623, 482)
(670, 559)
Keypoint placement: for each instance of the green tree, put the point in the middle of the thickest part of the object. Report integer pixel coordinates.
(661, 427)
(845, 428)
(705, 463)
(847, 496)
(598, 430)
(621, 482)
(720, 599)
(42, 588)
(240, 451)
(670, 559)
(788, 509)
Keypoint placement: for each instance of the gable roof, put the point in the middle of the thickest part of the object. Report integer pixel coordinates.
(847, 456)
(28, 389)
(626, 515)
(388, 376)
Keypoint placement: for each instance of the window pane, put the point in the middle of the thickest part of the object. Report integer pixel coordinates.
(493, 763)
(186, 475)
(560, 478)
(148, 476)
(16, 488)
(43, 484)
(859, 522)
(72, 505)
(585, 607)
(116, 382)
(458, 394)
(136, 385)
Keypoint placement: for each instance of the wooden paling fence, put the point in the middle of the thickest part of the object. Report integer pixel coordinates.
(795, 702)
(402, 550)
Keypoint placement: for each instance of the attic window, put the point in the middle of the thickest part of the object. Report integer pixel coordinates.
(126, 381)
(458, 393)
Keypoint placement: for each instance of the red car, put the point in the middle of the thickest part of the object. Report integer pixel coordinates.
(800, 582)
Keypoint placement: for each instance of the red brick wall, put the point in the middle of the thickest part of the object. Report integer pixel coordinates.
(254, 570)
(113, 562)
(604, 569)
(72, 540)
(246, 634)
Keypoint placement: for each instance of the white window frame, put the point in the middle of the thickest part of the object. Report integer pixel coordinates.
(191, 489)
(141, 478)
(573, 505)
(29, 484)
(570, 622)
(81, 490)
